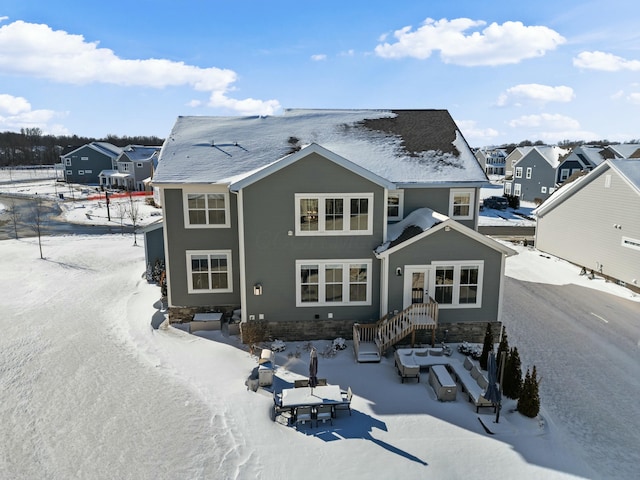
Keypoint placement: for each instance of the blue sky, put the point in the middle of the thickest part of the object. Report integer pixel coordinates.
(507, 71)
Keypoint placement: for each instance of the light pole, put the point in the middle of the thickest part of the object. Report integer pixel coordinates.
(106, 195)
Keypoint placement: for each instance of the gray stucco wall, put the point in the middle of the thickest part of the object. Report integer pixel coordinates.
(180, 240)
(269, 207)
(450, 246)
(587, 228)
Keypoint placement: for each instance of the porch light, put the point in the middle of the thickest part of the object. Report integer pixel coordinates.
(257, 289)
(399, 271)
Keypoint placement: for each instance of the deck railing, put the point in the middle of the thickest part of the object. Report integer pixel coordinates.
(389, 330)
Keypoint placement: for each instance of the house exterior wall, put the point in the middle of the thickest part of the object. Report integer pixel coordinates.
(85, 171)
(178, 240)
(154, 245)
(450, 246)
(543, 177)
(588, 228)
(271, 252)
(439, 200)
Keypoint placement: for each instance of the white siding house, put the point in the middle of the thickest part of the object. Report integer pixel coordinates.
(594, 222)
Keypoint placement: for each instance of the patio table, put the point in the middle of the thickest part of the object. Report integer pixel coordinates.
(298, 397)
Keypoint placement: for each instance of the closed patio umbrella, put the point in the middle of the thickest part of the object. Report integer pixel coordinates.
(493, 392)
(313, 368)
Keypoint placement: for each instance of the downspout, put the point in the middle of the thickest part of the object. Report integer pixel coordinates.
(241, 255)
(167, 276)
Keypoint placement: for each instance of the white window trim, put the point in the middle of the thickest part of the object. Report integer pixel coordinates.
(564, 174)
(518, 172)
(543, 189)
(321, 197)
(322, 283)
(185, 210)
(80, 172)
(457, 265)
(227, 253)
(84, 158)
(517, 189)
(529, 172)
(472, 202)
(139, 165)
(400, 194)
(507, 188)
(69, 172)
(67, 162)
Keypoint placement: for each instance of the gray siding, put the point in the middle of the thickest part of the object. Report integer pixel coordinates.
(450, 246)
(542, 175)
(180, 239)
(96, 162)
(582, 229)
(437, 199)
(269, 216)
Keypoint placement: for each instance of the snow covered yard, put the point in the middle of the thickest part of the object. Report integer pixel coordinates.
(90, 390)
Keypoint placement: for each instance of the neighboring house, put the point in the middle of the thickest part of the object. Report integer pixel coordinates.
(583, 158)
(84, 164)
(509, 162)
(493, 160)
(593, 222)
(132, 169)
(313, 221)
(534, 174)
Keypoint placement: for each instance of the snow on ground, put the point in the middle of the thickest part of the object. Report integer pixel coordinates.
(91, 390)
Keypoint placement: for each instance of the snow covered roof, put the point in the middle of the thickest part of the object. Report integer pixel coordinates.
(402, 146)
(102, 147)
(138, 152)
(423, 222)
(551, 154)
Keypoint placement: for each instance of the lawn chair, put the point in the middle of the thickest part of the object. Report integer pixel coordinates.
(303, 415)
(324, 412)
(346, 401)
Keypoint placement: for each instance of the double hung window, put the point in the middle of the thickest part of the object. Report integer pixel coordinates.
(334, 214)
(461, 203)
(209, 271)
(333, 282)
(206, 210)
(458, 284)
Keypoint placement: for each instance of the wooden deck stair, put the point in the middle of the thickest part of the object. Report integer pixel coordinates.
(371, 341)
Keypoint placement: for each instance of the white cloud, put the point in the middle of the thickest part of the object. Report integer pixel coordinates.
(16, 113)
(319, 57)
(634, 98)
(546, 119)
(496, 44)
(39, 51)
(605, 61)
(551, 128)
(248, 106)
(537, 93)
(471, 131)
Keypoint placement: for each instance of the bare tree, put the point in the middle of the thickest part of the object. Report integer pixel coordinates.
(14, 217)
(121, 210)
(37, 222)
(134, 216)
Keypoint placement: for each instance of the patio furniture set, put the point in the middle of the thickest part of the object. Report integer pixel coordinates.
(445, 375)
(305, 404)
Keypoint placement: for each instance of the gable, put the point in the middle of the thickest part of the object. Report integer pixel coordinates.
(424, 223)
(312, 156)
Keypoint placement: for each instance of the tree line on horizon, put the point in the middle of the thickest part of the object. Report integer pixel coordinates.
(31, 147)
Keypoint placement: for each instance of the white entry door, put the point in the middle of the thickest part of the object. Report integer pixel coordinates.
(417, 284)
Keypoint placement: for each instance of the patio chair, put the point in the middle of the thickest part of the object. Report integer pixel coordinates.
(346, 401)
(303, 415)
(301, 383)
(324, 413)
(322, 382)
